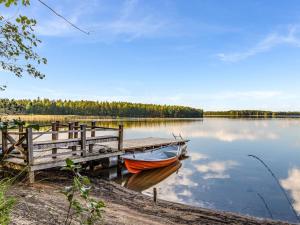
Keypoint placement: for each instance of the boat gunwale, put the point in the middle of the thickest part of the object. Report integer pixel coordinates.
(153, 160)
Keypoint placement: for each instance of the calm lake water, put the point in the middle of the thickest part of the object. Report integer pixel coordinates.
(219, 174)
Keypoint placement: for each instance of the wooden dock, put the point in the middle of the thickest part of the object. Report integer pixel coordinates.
(141, 144)
(38, 150)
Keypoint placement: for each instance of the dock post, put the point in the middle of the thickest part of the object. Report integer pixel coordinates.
(54, 137)
(29, 142)
(21, 131)
(154, 195)
(120, 148)
(31, 176)
(120, 139)
(71, 135)
(57, 129)
(4, 141)
(76, 124)
(93, 134)
(119, 167)
(83, 139)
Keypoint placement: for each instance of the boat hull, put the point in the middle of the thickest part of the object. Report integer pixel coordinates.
(136, 166)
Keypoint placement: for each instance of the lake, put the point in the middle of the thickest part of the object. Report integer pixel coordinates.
(219, 174)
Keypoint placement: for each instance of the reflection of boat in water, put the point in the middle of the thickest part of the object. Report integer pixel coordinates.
(156, 158)
(148, 178)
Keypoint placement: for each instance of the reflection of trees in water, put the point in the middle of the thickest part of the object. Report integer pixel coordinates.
(144, 123)
(127, 122)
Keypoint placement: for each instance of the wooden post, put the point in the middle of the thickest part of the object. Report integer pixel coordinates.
(93, 134)
(21, 131)
(54, 137)
(154, 195)
(4, 141)
(71, 127)
(120, 139)
(71, 135)
(31, 176)
(76, 124)
(83, 139)
(29, 142)
(119, 167)
(57, 129)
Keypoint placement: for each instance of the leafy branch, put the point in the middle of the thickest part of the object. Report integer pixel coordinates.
(17, 44)
(81, 205)
(15, 123)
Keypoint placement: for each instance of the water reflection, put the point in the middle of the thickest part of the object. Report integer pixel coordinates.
(225, 130)
(216, 169)
(195, 156)
(219, 174)
(147, 179)
(292, 184)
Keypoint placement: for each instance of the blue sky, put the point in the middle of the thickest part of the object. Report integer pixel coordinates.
(210, 54)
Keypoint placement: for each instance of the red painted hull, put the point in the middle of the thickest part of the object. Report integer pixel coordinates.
(136, 166)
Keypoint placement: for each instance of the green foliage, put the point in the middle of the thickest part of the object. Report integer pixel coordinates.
(15, 123)
(81, 205)
(6, 203)
(113, 109)
(10, 107)
(10, 124)
(17, 44)
(8, 3)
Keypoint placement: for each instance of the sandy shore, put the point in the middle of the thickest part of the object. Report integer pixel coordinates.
(42, 203)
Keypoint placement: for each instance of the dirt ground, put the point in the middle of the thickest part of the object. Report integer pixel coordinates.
(42, 203)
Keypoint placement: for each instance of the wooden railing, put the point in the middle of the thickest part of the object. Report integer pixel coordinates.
(80, 142)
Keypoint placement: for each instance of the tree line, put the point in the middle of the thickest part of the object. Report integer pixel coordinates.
(250, 113)
(96, 108)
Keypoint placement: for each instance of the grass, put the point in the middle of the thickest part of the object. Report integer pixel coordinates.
(6, 202)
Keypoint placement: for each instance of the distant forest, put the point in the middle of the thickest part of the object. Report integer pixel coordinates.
(96, 108)
(250, 113)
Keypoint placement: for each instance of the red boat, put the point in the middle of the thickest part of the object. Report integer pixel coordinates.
(156, 158)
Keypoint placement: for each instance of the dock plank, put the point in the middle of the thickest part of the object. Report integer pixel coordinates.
(145, 143)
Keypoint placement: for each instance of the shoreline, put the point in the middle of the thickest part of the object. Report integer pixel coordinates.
(42, 203)
(47, 118)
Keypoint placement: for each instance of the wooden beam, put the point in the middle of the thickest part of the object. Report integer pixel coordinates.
(93, 134)
(29, 145)
(71, 136)
(4, 141)
(76, 128)
(75, 159)
(83, 139)
(120, 139)
(10, 139)
(58, 154)
(31, 176)
(54, 137)
(21, 131)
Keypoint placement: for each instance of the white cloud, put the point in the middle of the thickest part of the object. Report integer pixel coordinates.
(197, 156)
(290, 37)
(216, 169)
(226, 132)
(291, 183)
